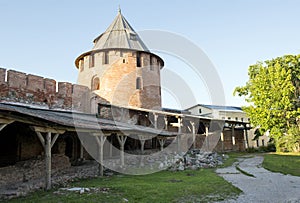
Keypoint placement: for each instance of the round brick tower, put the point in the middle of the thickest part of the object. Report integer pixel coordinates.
(121, 69)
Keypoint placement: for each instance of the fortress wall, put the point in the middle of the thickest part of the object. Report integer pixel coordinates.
(32, 89)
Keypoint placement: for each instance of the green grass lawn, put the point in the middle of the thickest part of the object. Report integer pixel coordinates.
(283, 163)
(187, 186)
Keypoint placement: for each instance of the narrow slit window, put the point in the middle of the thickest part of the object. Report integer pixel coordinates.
(92, 60)
(138, 59)
(138, 83)
(106, 58)
(96, 84)
(151, 63)
(81, 65)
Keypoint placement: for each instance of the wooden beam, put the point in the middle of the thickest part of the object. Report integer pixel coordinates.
(54, 139)
(2, 126)
(40, 136)
(48, 129)
(4, 122)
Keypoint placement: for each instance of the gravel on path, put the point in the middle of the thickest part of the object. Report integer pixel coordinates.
(259, 184)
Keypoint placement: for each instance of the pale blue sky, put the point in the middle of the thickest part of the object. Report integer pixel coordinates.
(45, 37)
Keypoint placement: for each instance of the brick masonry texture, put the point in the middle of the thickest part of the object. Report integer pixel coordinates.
(31, 89)
(117, 80)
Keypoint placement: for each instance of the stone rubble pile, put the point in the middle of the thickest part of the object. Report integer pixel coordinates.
(195, 159)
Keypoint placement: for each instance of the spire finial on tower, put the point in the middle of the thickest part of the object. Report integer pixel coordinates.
(119, 9)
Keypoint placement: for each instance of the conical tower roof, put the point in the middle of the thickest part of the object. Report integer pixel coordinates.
(119, 35)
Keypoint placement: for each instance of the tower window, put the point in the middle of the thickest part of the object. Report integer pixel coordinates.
(138, 83)
(92, 60)
(105, 58)
(151, 64)
(96, 84)
(138, 59)
(132, 36)
(124, 61)
(81, 65)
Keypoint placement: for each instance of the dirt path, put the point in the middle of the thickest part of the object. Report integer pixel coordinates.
(265, 186)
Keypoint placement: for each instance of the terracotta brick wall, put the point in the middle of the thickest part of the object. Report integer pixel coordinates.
(117, 80)
(32, 89)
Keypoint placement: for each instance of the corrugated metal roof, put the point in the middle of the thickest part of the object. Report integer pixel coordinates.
(120, 34)
(222, 108)
(218, 107)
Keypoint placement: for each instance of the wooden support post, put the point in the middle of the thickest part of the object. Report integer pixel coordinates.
(81, 151)
(222, 140)
(142, 139)
(178, 138)
(179, 134)
(194, 134)
(100, 139)
(232, 134)
(48, 160)
(47, 144)
(111, 146)
(122, 140)
(166, 122)
(206, 135)
(142, 145)
(161, 142)
(246, 137)
(155, 120)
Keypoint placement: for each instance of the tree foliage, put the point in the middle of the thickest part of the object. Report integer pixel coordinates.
(273, 94)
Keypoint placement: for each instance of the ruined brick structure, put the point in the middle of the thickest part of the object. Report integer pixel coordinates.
(121, 69)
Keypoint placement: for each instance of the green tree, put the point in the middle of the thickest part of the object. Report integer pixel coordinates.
(272, 92)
